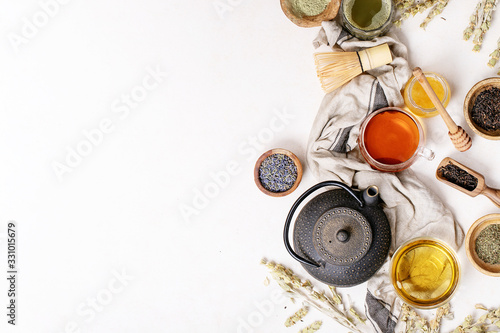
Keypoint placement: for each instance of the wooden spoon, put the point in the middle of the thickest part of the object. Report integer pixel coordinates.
(458, 136)
(481, 188)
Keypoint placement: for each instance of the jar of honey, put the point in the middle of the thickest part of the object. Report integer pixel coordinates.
(416, 98)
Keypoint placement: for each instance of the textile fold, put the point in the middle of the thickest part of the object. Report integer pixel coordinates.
(333, 154)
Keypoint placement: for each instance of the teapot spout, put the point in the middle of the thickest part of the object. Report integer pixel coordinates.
(371, 195)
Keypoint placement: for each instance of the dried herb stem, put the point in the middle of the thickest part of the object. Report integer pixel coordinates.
(491, 319)
(412, 7)
(297, 316)
(480, 31)
(413, 10)
(473, 21)
(416, 323)
(495, 55)
(480, 22)
(436, 10)
(330, 306)
(313, 327)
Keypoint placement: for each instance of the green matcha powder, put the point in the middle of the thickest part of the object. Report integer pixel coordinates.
(309, 7)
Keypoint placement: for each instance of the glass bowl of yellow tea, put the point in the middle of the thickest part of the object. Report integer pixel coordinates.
(391, 139)
(417, 100)
(425, 272)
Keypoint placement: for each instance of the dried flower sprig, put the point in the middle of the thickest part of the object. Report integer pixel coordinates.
(335, 295)
(296, 317)
(472, 21)
(481, 29)
(332, 306)
(413, 10)
(436, 10)
(480, 22)
(494, 56)
(414, 7)
(491, 319)
(416, 323)
(313, 327)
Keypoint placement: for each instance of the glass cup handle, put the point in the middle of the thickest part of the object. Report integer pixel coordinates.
(427, 153)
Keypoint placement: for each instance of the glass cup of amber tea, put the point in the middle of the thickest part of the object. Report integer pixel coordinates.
(425, 272)
(392, 139)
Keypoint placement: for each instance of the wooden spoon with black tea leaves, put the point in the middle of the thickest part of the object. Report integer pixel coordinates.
(465, 180)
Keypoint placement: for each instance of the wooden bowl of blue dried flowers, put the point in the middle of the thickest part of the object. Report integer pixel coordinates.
(278, 172)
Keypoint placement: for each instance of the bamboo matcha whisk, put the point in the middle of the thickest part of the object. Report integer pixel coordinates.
(461, 140)
(337, 68)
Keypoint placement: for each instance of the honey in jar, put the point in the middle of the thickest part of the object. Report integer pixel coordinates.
(417, 100)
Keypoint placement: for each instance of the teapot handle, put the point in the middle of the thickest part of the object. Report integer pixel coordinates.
(296, 205)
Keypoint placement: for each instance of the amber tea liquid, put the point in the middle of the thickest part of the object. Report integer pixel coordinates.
(391, 137)
(424, 273)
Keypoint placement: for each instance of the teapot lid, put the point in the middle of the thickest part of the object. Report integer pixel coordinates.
(342, 236)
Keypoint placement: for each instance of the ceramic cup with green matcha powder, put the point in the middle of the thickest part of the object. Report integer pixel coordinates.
(366, 19)
(304, 8)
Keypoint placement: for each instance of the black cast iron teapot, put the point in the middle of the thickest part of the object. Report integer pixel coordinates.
(341, 236)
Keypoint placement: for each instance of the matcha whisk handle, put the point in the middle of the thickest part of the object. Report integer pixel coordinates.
(458, 136)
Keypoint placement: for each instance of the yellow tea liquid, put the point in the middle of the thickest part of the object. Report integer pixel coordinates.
(391, 137)
(424, 273)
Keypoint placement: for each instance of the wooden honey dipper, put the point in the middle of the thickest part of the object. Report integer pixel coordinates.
(461, 140)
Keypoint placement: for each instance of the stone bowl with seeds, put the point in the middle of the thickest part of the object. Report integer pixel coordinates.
(278, 172)
(482, 244)
(482, 108)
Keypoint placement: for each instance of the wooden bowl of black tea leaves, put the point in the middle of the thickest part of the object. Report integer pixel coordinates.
(277, 172)
(482, 108)
(482, 244)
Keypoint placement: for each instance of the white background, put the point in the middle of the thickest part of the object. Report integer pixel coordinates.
(226, 74)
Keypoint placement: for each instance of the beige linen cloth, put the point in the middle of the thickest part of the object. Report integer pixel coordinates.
(333, 154)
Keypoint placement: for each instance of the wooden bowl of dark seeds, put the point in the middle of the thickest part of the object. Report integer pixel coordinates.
(277, 172)
(482, 244)
(482, 108)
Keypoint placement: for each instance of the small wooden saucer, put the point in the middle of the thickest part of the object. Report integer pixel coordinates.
(268, 153)
(311, 21)
(469, 103)
(470, 245)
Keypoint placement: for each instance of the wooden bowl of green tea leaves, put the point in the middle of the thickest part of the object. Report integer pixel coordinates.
(482, 244)
(481, 108)
(277, 172)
